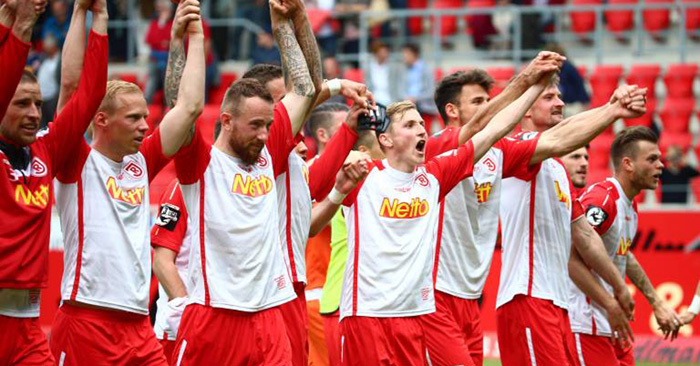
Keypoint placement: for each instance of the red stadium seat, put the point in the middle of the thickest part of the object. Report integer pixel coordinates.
(604, 81)
(647, 119)
(692, 16)
(130, 77)
(448, 23)
(155, 115)
(415, 24)
(583, 71)
(600, 152)
(620, 20)
(656, 20)
(461, 68)
(583, 21)
(644, 76)
(675, 115)
(668, 139)
(207, 121)
(480, 22)
(679, 80)
(438, 74)
(596, 175)
(501, 76)
(355, 75)
(217, 94)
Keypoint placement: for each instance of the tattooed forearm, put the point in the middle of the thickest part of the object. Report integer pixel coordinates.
(639, 278)
(173, 73)
(296, 72)
(309, 47)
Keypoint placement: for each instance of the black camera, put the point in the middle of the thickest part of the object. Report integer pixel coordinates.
(376, 120)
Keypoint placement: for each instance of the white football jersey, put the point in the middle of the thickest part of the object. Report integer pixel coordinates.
(614, 217)
(536, 217)
(392, 227)
(294, 201)
(237, 257)
(468, 224)
(105, 220)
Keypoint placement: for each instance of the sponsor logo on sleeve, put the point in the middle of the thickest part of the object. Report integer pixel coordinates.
(596, 216)
(404, 210)
(168, 217)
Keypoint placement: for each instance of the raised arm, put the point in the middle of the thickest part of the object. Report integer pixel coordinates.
(7, 17)
(668, 320)
(577, 131)
(584, 279)
(356, 92)
(544, 64)
(505, 120)
(590, 247)
(301, 91)
(177, 127)
(176, 54)
(307, 41)
(73, 53)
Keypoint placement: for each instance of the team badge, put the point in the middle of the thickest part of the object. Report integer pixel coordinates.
(169, 216)
(423, 180)
(38, 167)
(262, 162)
(490, 164)
(595, 215)
(133, 170)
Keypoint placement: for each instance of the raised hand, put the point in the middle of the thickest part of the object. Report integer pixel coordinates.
(357, 92)
(630, 101)
(98, 6)
(26, 14)
(288, 8)
(187, 19)
(354, 170)
(546, 63)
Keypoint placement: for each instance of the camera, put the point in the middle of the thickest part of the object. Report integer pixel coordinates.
(376, 120)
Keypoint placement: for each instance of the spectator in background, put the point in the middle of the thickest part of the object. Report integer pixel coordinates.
(326, 32)
(571, 83)
(265, 51)
(350, 24)
(56, 25)
(676, 177)
(158, 38)
(379, 74)
(118, 37)
(212, 62)
(49, 78)
(417, 81)
(256, 11)
(331, 70)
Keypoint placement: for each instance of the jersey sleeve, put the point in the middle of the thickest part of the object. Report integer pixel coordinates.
(13, 56)
(352, 196)
(322, 172)
(516, 157)
(66, 132)
(192, 160)
(445, 140)
(599, 207)
(280, 140)
(171, 224)
(4, 32)
(152, 150)
(452, 167)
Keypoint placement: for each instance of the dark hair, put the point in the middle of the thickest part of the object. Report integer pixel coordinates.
(450, 87)
(625, 143)
(366, 138)
(413, 48)
(244, 88)
(377, 45)
(263, 73)
(321, 116)
(28, 76)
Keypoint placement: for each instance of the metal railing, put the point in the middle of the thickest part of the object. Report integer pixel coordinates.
(559, 14)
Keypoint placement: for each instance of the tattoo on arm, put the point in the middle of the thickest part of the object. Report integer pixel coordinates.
(309, 47)
(173, 73)
(639, 278)
(294, 65)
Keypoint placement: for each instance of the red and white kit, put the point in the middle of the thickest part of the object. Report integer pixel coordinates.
(465, 249)
(171, 231)
(105, 219)
(536, 217)
(614, 218)
(237, 257)
(392, 226)
(27, 195)
(297, 186)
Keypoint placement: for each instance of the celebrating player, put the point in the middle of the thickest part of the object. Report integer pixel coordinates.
(540, 220)
(103, 202)
(576, 163)
(611, 210)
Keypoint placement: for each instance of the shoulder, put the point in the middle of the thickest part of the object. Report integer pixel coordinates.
(524, 135)
(599, 203)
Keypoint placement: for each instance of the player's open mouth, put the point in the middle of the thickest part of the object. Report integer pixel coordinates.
(139, 139)
(30, 128)
(657, 176)
(420, 146)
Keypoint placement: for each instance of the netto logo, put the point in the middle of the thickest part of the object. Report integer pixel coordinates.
(247, 186)
(37, 198)
(482, 191)
(132, 196)
(133, 170)
(404, 210)
(624, 246)
(561, 195)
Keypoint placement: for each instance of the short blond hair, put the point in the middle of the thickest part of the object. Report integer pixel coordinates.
(115, 88)
(398, 109)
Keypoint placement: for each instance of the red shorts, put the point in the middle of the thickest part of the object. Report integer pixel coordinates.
(295, 319)
(23, 343)
(625, 355)
(535, 331)
(86, 336)
(214, 336)
(382, 341)
(331, 325)
(598, 350)
(168, 349)
(453, 332)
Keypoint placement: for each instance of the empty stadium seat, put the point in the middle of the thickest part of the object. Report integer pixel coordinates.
(676, 113)
(679, 80)
(656, 20)
(620, 20)
(438, 74)
(596, 175)
(583, 21)
(668, 139)
(501, 76)
(461, 68)
(217, 94)
(692, 17)
(415, 24)
(583, 71)
(599, 156)
(207, 121)
(448, 24)
(355, 75)
(647, 119)
(644, 76)
(155, 115)
(604, 81)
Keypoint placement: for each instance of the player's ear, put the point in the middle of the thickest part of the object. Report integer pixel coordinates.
(627, 164)
(100, 119)
(322, 135)
(226, 121)
(452, 111)
(385, 140)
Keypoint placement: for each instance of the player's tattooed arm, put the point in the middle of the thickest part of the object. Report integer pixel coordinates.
(307, 41)
(668, 320)
(173, 73)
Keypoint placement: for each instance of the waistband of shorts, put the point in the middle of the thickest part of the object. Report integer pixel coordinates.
(101, 314)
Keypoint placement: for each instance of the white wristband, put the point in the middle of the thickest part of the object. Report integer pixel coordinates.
(336, 197)
(334, 86)
(695, 305)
